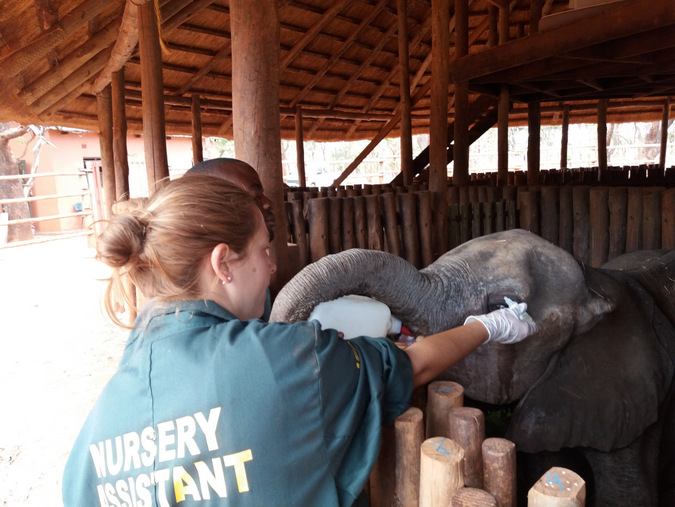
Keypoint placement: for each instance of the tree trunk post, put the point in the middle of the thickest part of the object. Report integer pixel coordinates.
(197, 148)
(152, 93)
(300, 146)
(255, 109)
(406, 122)
(120, 154)
(105, 123)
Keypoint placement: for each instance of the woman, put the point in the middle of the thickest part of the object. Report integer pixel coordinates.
(211, 406)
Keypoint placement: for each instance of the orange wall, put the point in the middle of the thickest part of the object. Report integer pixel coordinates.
(66, 152)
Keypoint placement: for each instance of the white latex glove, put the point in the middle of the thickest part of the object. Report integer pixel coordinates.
(506, 325)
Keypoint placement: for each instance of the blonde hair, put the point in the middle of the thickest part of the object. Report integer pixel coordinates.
(160, 246)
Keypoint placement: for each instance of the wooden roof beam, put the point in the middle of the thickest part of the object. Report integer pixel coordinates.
(623, 19)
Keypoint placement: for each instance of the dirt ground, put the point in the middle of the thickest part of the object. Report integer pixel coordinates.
(58, 351)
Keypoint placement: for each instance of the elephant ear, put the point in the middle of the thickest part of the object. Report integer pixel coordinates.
(605, 387)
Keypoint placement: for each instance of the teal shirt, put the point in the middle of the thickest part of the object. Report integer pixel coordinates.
(206, 409)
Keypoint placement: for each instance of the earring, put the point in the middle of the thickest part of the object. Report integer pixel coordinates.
(229, 278)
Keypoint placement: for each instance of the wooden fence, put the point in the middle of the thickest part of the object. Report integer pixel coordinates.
(595, 217)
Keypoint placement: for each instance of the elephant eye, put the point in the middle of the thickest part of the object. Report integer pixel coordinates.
(497, 302)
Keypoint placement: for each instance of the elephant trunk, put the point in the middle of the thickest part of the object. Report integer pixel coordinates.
(421, 299)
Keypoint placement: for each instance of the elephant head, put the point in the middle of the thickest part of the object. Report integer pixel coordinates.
(468, 280)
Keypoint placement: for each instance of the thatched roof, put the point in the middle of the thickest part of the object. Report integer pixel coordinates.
(339, 62)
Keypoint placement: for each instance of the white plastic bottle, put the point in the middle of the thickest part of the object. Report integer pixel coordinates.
(355, 315)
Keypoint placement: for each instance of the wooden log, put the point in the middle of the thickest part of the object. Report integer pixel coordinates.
(300, 146)
(559, 487)
(404, 90)
(383, 475)
(318, 213)
(407, 203)
(503, 108)
(348, 239)
(453, 225)
(300, 232)
(528, 204)
(442, 396)
(391, 224)
(668, 219)
(152, 92)
(580, 206)
(499, 470)
(105, 121)
(425, 227)
(441, 471)
(409, 435)
(618, 210)
(488, 209)
(533, 144)
(566, 240)
(335, 224)
(664, 133)
(602, 135)
(472, 497)
(197, 149)
(360, 226)
(599, 226)
(476, 219)
(500, 215)
(467, 428)
(651, 217)
(634, 223)
(374, 221)
(120, 152)
(464, 222)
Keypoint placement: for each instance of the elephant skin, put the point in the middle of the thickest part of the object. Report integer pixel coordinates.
(592, 389)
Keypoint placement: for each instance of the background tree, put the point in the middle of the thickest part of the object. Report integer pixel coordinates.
(13, 189)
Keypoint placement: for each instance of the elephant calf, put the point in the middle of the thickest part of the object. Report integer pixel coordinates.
(594, 387)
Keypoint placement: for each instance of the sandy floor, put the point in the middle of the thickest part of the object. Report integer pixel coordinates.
(58, 351)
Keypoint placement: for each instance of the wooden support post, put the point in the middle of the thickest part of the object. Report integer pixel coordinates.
(424, 227)
(504, 23)
(460, 173)
(493, 20)
(558, 487)
(348, 239)
(602, 135)
(467, 428)
(441, 471)
(664, 134)
(152, 93)
(360, 225)
(409, 435)
(565, 240)
(255, 110)
(105, 122)
(120, 152)
(438, 122)
(442, 396)
(528, 203)
(599, 226)
(319, 245)
(300, 146)
(565, 136)
(197, 148)
(499, 470)
(406, 122)
(383, 476)
(503, 136)
(533, 143)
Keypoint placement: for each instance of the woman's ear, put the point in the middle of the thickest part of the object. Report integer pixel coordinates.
(221, 256)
